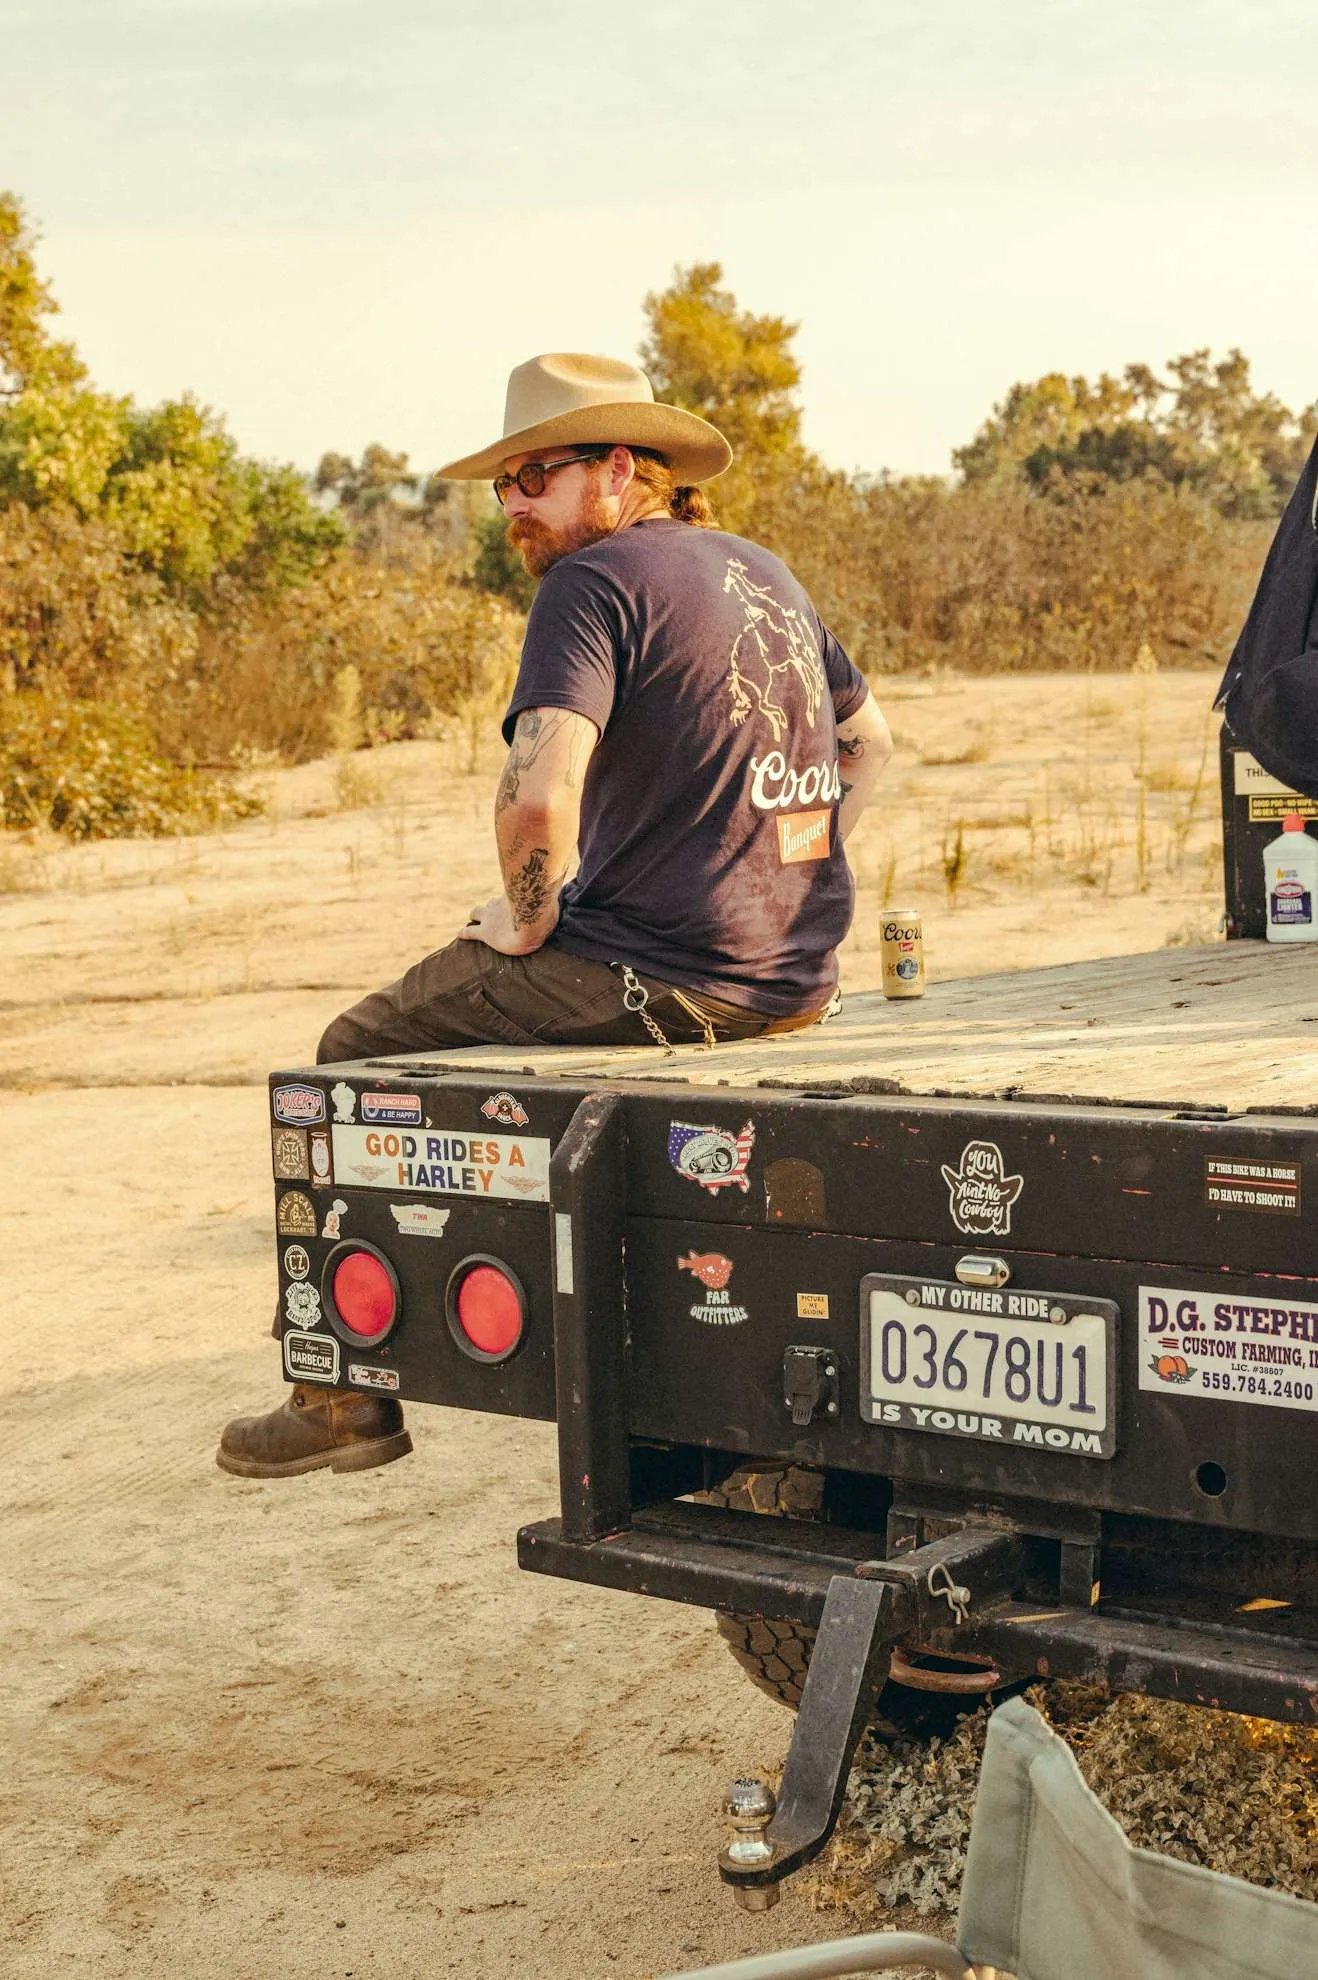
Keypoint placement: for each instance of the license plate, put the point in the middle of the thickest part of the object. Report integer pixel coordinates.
(1031, 1370)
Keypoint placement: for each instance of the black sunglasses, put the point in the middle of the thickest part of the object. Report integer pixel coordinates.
(530, 477)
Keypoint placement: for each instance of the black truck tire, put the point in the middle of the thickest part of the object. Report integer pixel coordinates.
(775, 1652)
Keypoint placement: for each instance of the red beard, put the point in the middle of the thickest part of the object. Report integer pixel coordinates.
(540, 547)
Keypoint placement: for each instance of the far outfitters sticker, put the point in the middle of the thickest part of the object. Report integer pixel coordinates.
(713, 1271)
(437, 1160)
(1245, 1350)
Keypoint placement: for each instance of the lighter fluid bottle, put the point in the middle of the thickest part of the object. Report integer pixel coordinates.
(1290, 880)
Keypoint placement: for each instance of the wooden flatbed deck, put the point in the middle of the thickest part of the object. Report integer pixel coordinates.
(1235, 1026)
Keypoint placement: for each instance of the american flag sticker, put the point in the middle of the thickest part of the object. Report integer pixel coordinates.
(711, 1156)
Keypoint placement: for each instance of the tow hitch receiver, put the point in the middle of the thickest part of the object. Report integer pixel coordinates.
(865, 1616)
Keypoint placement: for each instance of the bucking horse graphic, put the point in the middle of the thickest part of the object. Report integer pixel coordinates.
(774, 642)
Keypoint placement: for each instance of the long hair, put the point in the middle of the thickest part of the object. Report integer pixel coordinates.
(683, 503)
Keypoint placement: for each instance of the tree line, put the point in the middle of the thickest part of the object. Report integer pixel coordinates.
(172, 611)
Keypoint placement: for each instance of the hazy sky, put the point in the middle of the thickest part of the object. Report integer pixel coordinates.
(340, 222)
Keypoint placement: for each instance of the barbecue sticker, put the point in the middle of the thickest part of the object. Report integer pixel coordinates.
(1230, 1348)
(713, 1271)
(295, 1215)
(980, 1193)
(298, 1106)
(493, 1165)
(710, 1155)
(1231, 1183)
(311, 1357)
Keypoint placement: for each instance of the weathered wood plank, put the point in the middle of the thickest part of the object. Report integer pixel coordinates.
(1234, 1025)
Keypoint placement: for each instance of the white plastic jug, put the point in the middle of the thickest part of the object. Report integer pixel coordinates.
(1290, 880)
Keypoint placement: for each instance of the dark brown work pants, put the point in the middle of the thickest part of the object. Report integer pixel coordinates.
(468, 994)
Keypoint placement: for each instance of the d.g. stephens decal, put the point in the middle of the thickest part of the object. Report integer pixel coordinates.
(711, 1156)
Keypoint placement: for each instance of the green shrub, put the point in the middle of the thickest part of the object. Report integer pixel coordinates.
(93, 771)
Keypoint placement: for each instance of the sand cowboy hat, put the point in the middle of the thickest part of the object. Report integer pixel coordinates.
(566, 399)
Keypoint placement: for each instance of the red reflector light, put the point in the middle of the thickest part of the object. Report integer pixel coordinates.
(489, 1311)
(365, 1297)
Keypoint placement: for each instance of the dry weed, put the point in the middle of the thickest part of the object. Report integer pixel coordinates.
(1236, 1795)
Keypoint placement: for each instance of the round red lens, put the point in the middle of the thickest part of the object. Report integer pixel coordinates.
(489, 1310)
(364, 1295)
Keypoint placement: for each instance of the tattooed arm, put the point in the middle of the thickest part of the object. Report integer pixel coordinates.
(537, 812)
(864, 745)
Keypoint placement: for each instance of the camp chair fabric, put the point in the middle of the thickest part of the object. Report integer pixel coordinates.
(1053, 1890)
(1270, 689)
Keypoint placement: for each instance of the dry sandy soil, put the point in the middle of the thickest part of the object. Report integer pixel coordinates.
(324, 1726)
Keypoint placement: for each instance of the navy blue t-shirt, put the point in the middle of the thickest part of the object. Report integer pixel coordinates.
(710, 854)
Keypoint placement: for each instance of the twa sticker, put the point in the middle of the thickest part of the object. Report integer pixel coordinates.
(344, 1101)
(419, 1219)
(437, 1160)
(299, 1106)
(295, 1215)
(311, 1357)
(1243, 1349)
(397, 1109)
(711, 1156)
(504, 1108)
(713, 1271)
(290, 1154)
(803, 835)
(367, 1377)
(980, 1193)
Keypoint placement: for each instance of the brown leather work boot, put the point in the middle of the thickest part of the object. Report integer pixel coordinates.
(341, 1428)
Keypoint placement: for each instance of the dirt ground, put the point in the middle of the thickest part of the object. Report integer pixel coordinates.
(324, 1726)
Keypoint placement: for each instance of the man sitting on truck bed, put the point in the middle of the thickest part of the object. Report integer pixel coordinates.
(675, 734)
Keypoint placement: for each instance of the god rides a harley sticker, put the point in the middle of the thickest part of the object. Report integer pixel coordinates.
(980, 1192)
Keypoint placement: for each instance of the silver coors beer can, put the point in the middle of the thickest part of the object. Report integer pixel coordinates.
(902, 953)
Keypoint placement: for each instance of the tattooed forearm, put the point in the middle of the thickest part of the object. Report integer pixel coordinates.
(531, 887)
(851, 746)
(846, 788)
